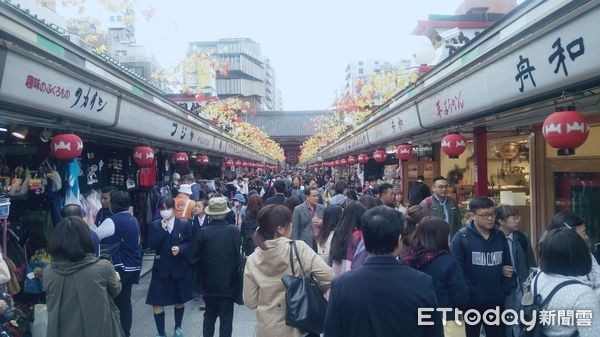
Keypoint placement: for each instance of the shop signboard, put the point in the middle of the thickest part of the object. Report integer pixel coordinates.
(139, 120)
(34, 85)
(394, 126)
(357, 142)
(560, 58)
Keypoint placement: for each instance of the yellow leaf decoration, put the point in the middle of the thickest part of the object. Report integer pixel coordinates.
(227, 115)
(350, 110)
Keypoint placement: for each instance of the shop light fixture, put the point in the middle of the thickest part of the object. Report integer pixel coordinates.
(3, 129)
(20, 131)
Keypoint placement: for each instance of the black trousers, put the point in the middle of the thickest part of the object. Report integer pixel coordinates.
(218, 307)
(123, 301)
(490, 330)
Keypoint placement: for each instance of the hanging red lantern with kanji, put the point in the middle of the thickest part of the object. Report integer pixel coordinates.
(565, 130)
(143, 156)
(380, 156)
(363, 158)
(229, 163)
(238, 163)
(404, 151)
(181, 158)
(336, 163)
(454, 144)
(66, 146)
(203, 160)
(351, 160)
(245, 164)
(343, 162)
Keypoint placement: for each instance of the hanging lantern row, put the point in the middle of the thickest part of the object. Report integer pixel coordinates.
(363, 158)
(69, 146)
(380, 156)
(239, 163)
(454, 144)
(143, 156)
(66, 146)
(203, 160)
(181, 158)
(404, 151)
(565, 130)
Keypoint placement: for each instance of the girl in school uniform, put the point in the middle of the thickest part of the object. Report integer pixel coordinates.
(171, 275)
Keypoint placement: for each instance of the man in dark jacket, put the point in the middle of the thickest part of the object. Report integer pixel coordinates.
(123, 230)
(104, 212)
(482, 251)
(442, 205)
(215, 256)
(296, 189)
(360, 306)
(279, 197)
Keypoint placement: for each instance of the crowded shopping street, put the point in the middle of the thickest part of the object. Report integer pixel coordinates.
(267, 169)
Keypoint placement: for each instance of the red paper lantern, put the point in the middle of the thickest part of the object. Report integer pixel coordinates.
(454, 144)
(318, 164)
(404, 151)
(351, 160)
(380, 156)
(363, 158)
(66, 146)
(245, 164)
(143, 156)
(181, 158)
(238, 163)
(229, 163)
(336, 163)
(565, 130)
(343, 162)
(203, 160)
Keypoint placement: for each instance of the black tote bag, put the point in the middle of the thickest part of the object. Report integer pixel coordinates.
(305, 304)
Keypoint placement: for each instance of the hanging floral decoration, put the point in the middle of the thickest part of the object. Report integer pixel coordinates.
(350, 110)
(199, 69)
(228, 115)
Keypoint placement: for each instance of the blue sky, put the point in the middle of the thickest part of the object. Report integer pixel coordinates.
(308, 42)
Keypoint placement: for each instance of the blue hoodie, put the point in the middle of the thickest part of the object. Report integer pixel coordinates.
(482, 263)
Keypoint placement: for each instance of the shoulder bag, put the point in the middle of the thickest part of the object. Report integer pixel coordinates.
(305, 303)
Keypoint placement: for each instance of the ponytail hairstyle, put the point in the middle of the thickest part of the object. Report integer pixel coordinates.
(269, 219)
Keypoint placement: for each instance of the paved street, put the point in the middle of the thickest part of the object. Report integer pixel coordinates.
(143, 321)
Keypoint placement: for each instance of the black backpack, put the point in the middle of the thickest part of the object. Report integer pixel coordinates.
(532, 303)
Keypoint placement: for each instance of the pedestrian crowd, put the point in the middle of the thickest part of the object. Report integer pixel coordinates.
(378, 259)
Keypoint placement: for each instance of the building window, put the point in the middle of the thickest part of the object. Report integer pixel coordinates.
(360, 70)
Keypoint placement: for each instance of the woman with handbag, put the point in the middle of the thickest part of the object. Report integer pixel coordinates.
(79, 285)
(263, 286)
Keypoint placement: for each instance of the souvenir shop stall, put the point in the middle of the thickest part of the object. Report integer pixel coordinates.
(526, 136)
(42, 170)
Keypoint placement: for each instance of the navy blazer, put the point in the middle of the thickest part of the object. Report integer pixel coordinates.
(165, 264)
(380, 299)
